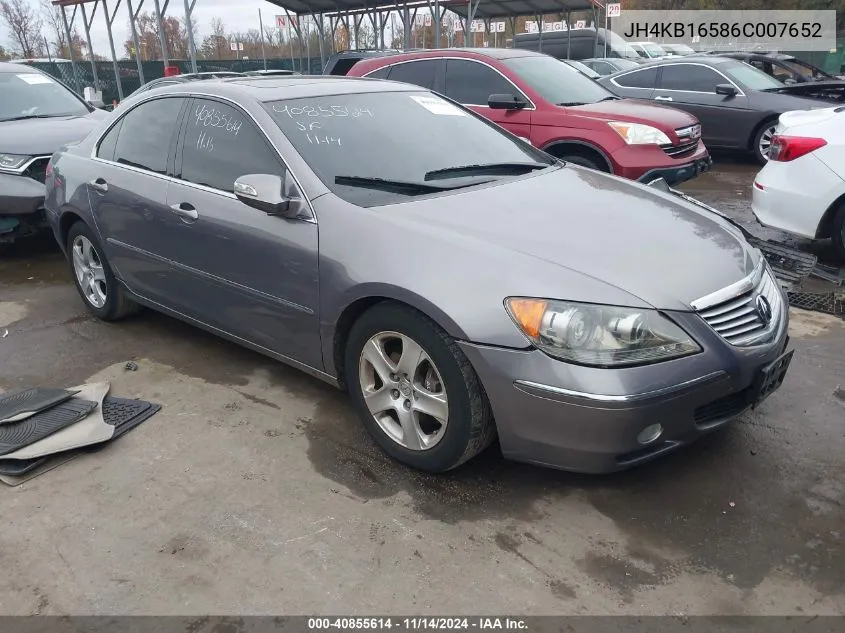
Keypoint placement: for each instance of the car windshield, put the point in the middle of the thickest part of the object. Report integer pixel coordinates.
(557, 83)
(653, 50)
(679, 49)
(804, 70)
(27, 94)
(582, 68)
(750, 77)
(618, 46)
(380, 148)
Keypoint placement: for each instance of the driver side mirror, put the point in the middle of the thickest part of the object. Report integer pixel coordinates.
(726, 90)
(269, 193)
(506, 102)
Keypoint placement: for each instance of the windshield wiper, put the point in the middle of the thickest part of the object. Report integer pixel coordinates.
(608, 98)
(398, 186)
(571, 103)
(491, 169)
(24, 117)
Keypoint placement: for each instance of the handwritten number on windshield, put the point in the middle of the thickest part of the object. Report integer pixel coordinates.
(336, 111)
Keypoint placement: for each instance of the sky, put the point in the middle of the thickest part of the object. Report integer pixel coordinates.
(237, 15)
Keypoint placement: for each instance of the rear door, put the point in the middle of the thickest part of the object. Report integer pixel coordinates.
(426, 73)
(692, 87)
(252, 275)
(128, 193)
(471, 82)
(635, 84)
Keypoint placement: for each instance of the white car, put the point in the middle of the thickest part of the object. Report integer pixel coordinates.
(801, 190)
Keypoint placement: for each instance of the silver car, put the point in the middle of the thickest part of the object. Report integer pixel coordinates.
(459, 283)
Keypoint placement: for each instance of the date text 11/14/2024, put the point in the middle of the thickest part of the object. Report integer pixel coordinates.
(416, 623)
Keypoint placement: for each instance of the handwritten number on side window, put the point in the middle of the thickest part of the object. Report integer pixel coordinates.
(212, 117)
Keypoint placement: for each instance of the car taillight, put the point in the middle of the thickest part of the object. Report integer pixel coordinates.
(787, 148)
(49, 170)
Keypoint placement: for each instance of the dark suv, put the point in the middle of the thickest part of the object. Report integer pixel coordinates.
(38, 115)
(556, 108)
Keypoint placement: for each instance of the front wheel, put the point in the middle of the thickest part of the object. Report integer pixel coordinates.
(839, 232)
(763, 141)
(415, 390)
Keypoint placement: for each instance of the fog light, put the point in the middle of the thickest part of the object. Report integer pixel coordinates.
(650, 434)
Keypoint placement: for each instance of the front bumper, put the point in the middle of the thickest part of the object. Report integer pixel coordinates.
(586, 419)
(20, 196)
(682, 173)
(647, 162)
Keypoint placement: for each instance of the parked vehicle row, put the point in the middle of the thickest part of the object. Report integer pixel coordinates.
(556, 109)
(234, 212)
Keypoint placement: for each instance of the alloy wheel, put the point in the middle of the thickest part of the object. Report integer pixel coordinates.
(88, 268)
(766, 141)
(403, 390)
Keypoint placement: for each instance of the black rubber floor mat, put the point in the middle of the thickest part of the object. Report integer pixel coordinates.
(19, 434)
(827, 302)
(121, 413)
(27, 402)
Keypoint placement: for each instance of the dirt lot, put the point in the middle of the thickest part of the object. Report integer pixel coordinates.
(255, 490)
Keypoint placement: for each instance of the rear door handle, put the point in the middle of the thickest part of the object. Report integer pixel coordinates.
(100, 185)
(185, 210)
(663, 98)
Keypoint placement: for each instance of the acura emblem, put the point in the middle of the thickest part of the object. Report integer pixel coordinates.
(764, 310)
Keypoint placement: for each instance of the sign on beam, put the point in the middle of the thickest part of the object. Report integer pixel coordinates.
(614, 9)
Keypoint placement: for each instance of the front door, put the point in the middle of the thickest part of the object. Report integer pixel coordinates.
(238, 269)
(471, 82)
(692, 87)
(128, 192)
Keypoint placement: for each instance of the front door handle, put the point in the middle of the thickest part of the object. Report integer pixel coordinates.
(185, 210)
(658, 98)
(100, 185)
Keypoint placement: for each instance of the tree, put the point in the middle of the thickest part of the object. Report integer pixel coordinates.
(215, 45)
(4, 56)
(24, 24)
(175, 37)
(55, 25)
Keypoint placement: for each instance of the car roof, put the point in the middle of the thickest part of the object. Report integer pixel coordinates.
(271, 88)
(707, 60)
(7, 67)
(492, 53)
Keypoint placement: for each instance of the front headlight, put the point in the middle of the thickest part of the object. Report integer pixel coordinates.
(12, 161)
(597, 335)
(639, 133)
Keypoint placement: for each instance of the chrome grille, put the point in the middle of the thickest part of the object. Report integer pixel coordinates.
(739, 319)
(688, 141)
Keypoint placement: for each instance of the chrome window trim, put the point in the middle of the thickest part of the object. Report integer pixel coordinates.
(25, 166)
(471, 59)
(747, 284)
(189, 95)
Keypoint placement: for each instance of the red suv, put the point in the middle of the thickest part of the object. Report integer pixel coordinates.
(557, 109)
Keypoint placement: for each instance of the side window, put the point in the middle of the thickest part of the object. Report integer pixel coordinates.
(221, 145)
(109, 142)
(422, 73)
(690, 78)
(470, 82)
(381, 73)
(146, 132)
(645, 78)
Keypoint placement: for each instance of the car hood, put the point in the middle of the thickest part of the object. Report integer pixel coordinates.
(635, 111)
(42, 137)
(652, 245)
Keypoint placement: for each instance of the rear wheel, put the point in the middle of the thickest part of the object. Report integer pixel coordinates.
(838, 233)
(97, 285)
(415, 390)
(763, 141)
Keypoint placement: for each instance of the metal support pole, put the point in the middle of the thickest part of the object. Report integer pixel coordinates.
(132, 18)
(261, 25)
(383, 18)
(595, 32)
(76, 81)
(540, 37)
(568, 35)
(87, 26)
(321, 33)
(512, 21)
(109, 22)
(605, 31)
(189, 25)
(406, 25)
(357, 20)
(290, 42)
(161, 36)
(437, 17)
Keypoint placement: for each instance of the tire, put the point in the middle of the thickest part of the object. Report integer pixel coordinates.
(838, 233)
(767, 129)
(431, 445)
(100, 291)
(583, 162)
